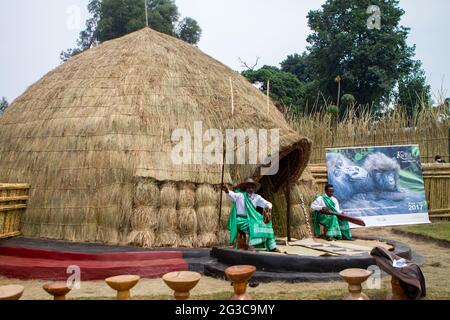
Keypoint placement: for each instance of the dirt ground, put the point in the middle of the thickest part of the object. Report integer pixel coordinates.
(436, 269)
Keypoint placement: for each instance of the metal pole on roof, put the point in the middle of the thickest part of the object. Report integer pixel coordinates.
(146, 12)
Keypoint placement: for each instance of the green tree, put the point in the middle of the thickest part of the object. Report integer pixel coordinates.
(298, 66)
(3, 105)
(414, 94)
(371, 62)
(111, 19)
(285, 88)
(189, 31)
(88, 37)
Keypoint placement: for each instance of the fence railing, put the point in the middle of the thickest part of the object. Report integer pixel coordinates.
(437, 186)
(13, 202)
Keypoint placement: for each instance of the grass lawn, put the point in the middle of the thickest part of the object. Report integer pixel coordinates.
(438, 230)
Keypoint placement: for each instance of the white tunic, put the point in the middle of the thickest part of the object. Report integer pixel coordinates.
(239, 199)
(319, 204)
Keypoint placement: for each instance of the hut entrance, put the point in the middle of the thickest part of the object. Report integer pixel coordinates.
(277, 189)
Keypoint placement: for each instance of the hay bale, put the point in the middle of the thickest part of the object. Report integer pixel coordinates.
(207, 218)
(223, 238)
(205, 195)
(146, 193)
(300, 232)
(297, 215)
(169, 195)
(144, 219)
(187, 222)
(166, 230)
(167, 219)
(207, 226)
(187, 227)
(167, 239)
(207, 240)
(188, 241)
(224, 217)
(186, 195)
(145, 239)
(295, 194)
(107, 235)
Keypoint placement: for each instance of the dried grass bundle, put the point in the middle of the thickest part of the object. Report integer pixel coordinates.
(297, 215)
(167, 239)
(187, 222)
(169, 195)
(167, 226)
(207, 240)
(300, 232)
(207, 226)
(223, 238)
(295, 194)
(144, 219)
(145, 239)
(167, 220)
(186, 195)
(146, 193)
(205, 195)
(188, 241)
(226, 210)
(207, 218)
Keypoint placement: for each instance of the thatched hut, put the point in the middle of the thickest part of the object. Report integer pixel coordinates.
(93, 138)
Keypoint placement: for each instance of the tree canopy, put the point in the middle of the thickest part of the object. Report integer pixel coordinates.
(3, 105)
(285, 88)
(373, 63)
(112, 19)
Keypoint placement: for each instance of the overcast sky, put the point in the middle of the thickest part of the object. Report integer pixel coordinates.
(33, 33)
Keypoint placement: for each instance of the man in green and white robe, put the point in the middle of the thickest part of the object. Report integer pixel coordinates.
(245, 218)
(336, 229)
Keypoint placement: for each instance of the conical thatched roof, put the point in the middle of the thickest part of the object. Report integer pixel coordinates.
(88, 130)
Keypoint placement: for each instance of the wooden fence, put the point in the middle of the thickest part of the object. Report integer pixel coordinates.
(13, 202)
(437, 186)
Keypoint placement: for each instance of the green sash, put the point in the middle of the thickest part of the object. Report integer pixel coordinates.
(259, 232)
(329, 203)
(336, 228)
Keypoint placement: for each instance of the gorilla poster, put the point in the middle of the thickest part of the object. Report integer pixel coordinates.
(381, 185)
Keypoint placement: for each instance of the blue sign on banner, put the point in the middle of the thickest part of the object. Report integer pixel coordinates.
(381, 185)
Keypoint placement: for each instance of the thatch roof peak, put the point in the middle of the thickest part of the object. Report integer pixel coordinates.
(129, 94)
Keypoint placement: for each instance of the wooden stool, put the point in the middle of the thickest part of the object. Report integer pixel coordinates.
(398, 293)
(58, 290)
(354, 278)
(11, 292)
(123, 285)
(182, 283)
(240, 275)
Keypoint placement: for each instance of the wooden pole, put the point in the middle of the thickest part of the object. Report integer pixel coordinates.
(288, 202)
(221, 184)
(223, 159)
(268, 96)
(232, 97)
(146, 12)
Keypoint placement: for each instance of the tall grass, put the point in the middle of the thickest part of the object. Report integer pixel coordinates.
(428, 127)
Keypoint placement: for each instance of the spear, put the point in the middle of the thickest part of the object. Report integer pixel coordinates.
(223, 160)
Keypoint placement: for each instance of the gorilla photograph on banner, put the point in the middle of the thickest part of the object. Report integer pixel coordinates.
(381, 185)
